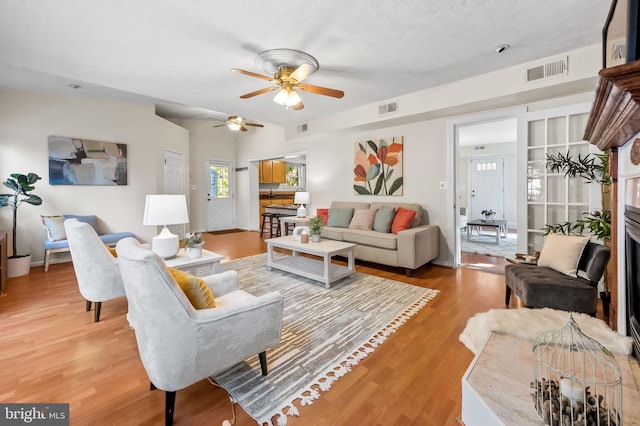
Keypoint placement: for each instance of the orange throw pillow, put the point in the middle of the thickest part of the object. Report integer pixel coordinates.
(196, 290)
(402, 220)
(324, 214)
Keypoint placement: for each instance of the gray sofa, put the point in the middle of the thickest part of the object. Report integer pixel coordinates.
(409, 249)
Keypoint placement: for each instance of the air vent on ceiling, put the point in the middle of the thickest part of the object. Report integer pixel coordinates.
(554, 68)
(302, 128)
(388, 108)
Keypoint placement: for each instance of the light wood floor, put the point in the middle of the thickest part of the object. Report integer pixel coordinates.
(51, 351)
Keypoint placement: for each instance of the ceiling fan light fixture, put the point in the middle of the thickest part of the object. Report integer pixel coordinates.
(234, 126)
(287, 97)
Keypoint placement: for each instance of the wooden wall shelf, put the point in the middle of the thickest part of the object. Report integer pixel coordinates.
(615, 115)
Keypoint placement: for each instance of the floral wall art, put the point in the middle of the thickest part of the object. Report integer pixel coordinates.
(378, 167)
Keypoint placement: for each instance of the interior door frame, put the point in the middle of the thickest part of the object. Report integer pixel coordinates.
(453, 143)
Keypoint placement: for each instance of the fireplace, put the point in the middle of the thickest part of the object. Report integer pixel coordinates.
(632, 267)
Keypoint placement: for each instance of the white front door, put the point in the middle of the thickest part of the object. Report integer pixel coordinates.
(174, 182)
(486, 186)
(219, 203)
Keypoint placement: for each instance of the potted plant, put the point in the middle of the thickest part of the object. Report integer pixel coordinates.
(591, 168)
(21, 187)
(315, 227)
(488, 215)
(193, 241)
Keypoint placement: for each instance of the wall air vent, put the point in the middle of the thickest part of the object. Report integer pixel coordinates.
(554, 68)
(302, 128)
(388, 108)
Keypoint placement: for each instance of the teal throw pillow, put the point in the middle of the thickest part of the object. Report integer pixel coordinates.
(340, 218)
(384, 219)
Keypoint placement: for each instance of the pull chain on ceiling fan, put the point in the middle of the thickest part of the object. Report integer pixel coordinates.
(289, 68)
(238, 123)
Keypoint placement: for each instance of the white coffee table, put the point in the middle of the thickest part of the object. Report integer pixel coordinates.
(319, 270)
(207, 264)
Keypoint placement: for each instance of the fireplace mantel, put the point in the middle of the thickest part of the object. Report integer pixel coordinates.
(615, 115)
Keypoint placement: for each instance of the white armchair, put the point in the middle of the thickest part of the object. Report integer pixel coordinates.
(180, 345)
(97, 270)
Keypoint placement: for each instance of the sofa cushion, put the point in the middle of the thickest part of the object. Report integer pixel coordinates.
(324, 214)
(340, 218)
(332, 233)
(362, 219)
(90, 219)
(384, 219)
(196, 290)
(371, 238)
(562, 253)
(402, 220)
(55, 227)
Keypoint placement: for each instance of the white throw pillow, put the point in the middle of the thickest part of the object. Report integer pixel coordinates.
(562, 253)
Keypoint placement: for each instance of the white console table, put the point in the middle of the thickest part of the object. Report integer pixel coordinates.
(496, 387)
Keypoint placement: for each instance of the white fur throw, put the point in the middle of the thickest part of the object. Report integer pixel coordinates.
(529, 323)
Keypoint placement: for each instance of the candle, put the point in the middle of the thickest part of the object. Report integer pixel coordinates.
(572, 390)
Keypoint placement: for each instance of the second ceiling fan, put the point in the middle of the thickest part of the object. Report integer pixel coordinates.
(290, 67)
(238, 123)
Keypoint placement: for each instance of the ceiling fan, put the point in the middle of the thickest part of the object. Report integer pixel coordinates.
(237, 123)
(289, 68)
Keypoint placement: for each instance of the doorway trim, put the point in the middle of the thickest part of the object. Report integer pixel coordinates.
(453, 143)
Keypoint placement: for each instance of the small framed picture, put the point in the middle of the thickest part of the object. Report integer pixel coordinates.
(620, 43)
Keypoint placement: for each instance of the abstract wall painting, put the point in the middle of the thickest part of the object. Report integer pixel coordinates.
(74, 161)
(378, 167)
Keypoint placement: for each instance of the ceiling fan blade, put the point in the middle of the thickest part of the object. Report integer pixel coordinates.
(220, 125)
(243, 129)
(321, 90)
(302, 72)
(254, 124)
(298, 106)
(259, 92)
(252, 74)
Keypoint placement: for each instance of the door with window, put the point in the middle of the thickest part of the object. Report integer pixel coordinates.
(551, 198)
(220, 212)
(486, 186)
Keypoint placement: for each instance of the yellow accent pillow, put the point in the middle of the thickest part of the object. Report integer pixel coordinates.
(112, 250)
(196, 290)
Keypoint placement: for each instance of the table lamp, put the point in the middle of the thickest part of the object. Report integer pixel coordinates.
(301, 198)
(165, 209)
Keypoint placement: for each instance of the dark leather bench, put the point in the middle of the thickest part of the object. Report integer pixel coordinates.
(543, 287)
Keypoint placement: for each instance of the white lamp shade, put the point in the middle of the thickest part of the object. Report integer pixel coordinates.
(301, 198)
(165, 209)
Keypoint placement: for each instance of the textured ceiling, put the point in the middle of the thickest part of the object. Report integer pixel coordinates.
(178, 54)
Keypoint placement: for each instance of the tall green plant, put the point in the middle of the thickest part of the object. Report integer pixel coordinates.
(592, 168)
(21, 185)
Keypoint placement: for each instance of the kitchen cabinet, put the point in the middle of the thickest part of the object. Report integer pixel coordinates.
(272, 171)
(279, 201)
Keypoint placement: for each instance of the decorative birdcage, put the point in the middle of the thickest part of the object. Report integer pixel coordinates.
(576, 380)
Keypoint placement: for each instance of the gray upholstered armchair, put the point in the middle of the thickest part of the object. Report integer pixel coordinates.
(543, 287)
(180, 345)
(96, 268)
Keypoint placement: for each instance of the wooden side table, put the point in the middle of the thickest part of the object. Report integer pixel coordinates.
(3, 261)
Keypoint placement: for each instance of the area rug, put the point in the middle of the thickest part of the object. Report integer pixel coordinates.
(485, 243)
(325, 332)
(529, 323)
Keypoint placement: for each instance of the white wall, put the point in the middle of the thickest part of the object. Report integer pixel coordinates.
(28, 119)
